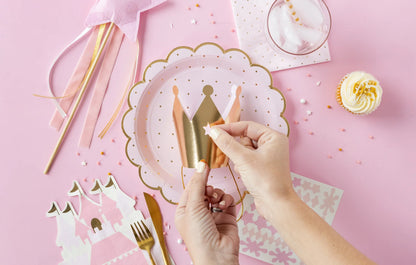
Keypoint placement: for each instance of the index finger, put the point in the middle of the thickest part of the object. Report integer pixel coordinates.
(249, 129)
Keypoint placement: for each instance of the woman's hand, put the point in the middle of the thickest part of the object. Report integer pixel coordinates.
(261, 157)
(211, 237)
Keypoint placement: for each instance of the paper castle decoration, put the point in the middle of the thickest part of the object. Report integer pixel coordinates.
(194, 143)
(100, 232)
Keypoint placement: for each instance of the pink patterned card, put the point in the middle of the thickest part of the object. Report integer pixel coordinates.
(261, 241)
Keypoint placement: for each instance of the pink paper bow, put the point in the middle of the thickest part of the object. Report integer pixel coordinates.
(124, 13)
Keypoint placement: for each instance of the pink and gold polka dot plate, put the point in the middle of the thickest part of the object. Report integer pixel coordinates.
(148, 124)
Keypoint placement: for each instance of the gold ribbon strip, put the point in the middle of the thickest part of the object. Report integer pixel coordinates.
(97, 46)
(123, 97)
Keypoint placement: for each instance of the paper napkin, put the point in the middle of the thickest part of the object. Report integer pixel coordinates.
(258, 239)
(250, 18)
(99, 232)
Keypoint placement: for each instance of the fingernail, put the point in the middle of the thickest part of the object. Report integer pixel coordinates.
(222, 203)
(214, 133)
(200, 167)
(215, 195)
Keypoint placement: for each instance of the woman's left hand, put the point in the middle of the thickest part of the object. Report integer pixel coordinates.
(211, 237)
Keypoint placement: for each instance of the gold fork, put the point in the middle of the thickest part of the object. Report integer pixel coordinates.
(144, 238)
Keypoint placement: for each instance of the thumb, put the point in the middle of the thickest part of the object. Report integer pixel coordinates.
(197, 184)
(233, 149)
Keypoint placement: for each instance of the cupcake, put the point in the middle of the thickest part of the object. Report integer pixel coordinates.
(359, 93)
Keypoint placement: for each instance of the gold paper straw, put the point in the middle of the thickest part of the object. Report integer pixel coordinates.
(78, 100)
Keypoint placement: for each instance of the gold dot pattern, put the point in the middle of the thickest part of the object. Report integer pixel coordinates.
(250, 18)
(155, 126)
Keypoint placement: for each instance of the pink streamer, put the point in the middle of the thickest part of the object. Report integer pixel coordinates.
(52, 69)
(100, 88)
(75, 81)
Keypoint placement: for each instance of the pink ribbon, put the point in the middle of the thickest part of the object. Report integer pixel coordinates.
(101, 84)
(75, 81)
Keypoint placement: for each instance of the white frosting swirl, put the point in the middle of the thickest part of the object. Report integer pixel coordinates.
(360, 92)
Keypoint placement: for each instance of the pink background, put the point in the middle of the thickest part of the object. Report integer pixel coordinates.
(377, 213)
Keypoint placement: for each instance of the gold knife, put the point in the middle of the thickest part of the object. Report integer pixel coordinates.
(156, 216)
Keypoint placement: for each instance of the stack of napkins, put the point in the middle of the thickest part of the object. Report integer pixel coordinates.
(251, 18)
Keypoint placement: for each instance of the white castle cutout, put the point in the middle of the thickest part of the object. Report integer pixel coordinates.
(100, 232)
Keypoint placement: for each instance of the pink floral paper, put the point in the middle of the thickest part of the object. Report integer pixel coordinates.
(261, 241)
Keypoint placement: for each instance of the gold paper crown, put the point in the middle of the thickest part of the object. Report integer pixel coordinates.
(194, 143)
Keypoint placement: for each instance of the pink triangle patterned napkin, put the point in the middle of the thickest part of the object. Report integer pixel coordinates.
(258, 239)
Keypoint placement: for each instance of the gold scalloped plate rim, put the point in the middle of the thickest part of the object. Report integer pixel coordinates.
(165, 61)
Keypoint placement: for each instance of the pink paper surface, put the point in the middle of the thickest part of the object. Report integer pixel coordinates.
(376, 212)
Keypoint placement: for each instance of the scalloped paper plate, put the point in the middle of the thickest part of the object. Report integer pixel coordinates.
(148, 124)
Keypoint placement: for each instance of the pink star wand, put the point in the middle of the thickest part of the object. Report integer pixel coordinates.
(122, 18)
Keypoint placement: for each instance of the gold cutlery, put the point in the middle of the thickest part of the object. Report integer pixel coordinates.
(156, 215)
(144, 238)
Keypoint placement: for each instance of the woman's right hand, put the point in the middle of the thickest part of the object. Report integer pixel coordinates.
(260, 156)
